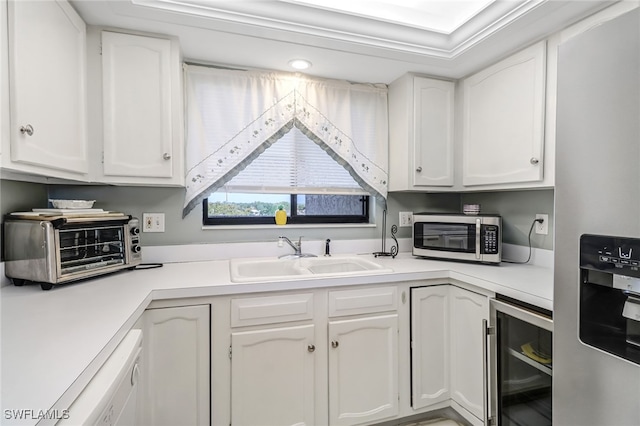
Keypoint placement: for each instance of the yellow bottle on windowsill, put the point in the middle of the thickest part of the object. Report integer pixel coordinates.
(281, 216)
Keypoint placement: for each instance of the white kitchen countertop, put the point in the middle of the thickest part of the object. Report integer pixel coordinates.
(53, 342)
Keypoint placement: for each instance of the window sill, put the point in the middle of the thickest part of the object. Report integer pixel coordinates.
(291, 226)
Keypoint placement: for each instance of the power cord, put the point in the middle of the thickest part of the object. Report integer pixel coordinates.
(530, 231)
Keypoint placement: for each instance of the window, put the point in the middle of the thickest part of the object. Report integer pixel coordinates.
(222, 208)
(294, 163)
(253, 132)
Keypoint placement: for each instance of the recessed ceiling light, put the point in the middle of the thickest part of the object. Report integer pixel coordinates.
(299, 64)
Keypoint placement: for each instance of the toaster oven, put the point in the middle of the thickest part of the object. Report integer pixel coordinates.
(51, 250)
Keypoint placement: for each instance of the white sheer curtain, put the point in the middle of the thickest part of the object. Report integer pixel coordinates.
(234, 116)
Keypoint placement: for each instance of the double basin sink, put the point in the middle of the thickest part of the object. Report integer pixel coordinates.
(245, 270)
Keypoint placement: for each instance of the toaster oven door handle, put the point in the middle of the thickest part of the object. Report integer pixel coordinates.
(478, 226)
(119, 220)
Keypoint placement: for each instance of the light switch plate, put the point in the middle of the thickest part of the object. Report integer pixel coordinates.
(152, 222)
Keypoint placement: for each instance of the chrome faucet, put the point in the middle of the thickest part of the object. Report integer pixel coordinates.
(297, 247)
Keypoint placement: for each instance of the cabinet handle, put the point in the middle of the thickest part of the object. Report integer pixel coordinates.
(534, 161)
(486, 381)
(334, 344)
(166, 156)
(28, 129)
(419, 169)
(135, 374)
(311, 348)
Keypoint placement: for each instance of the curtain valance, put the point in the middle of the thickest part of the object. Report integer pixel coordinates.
(233, 116)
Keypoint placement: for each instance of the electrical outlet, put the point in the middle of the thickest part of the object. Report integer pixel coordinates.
(542, 228)
(152, 222)
(406, 219)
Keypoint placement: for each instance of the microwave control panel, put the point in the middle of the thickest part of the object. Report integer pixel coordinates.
(490, 239)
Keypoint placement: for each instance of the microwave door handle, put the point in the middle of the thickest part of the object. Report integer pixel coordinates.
(478, 225)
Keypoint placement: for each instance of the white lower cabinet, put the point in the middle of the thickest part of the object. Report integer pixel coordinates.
(447, 358)
(176, 378)
(273, 376)
(342, 357)
(363, 369)
(430, 352)
(468, 371)
(274, 360)
(327, 357)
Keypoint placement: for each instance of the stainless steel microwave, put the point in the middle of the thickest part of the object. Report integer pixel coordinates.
(471, 238)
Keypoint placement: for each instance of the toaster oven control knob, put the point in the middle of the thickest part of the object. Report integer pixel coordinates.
(135, 230)
(136, 248)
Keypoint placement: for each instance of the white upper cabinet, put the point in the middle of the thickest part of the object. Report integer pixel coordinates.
(503, 127)
(4, 79)
(47, 79)
(142, 110)
(421, 119)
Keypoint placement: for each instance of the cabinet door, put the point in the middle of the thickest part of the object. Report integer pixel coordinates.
(433, 132)
(272, 376)
(503, 131)
(468, 309)
(176, 366)
(363, 369)
(4, 81)
(47, 57)
(430, 353)
(137, 106)
(421, 124)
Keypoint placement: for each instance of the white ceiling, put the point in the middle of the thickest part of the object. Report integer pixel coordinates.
(367, 41)
(443, 16)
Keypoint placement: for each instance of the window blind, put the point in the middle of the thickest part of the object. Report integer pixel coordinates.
(294, 165)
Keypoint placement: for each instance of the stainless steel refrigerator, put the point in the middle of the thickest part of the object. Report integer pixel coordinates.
(597, 192)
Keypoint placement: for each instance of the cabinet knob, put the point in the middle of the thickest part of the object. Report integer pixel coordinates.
(166, 156)
(311, 348)
(419, 169)
(28, 130)
(534, 161)
(334, 344)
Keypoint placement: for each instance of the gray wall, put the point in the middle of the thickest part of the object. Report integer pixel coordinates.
(138, 200)
(517, 208)
(21, 196)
